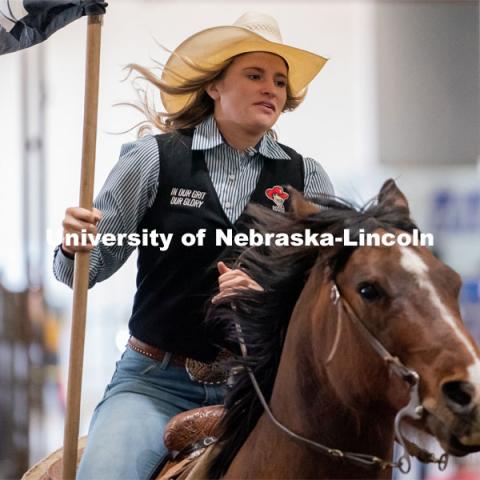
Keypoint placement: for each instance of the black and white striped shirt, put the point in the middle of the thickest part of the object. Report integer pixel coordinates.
(131, 188)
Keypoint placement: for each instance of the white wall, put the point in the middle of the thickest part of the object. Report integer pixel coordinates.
(10, 170)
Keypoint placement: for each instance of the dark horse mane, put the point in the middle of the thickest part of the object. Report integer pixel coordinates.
(264, 315)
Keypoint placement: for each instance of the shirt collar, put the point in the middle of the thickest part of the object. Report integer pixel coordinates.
(207, 136)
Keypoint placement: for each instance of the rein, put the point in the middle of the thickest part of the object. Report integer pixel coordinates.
(414, 409)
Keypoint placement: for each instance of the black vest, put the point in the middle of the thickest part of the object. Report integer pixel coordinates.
(173, 286)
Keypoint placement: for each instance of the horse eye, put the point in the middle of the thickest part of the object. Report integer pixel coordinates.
(369, 291)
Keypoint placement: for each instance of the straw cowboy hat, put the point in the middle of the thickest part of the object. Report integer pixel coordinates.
(252, 32)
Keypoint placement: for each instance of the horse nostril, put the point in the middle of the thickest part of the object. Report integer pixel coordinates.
(459, 396)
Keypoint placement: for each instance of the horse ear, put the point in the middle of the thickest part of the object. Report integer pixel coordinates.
(390, 194)
(301, 207)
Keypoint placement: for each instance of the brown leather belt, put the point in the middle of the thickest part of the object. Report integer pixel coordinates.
(155, 353)
(208, 373)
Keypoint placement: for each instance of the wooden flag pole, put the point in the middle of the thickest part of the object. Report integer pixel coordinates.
(80, 280)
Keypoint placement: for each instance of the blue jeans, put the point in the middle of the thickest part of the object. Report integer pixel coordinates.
(125, 439)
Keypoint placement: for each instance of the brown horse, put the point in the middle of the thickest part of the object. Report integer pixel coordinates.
(341, 339)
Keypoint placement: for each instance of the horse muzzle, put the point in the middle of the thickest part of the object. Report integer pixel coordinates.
(457, 432)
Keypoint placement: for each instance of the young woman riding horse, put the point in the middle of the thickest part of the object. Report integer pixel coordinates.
(223, 90)
(346, 344)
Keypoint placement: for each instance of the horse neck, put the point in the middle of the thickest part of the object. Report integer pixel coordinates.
(329, 405)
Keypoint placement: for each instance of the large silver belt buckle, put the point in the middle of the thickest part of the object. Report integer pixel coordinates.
(214, 373)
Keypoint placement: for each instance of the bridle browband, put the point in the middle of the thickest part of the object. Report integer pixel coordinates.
(414, 409)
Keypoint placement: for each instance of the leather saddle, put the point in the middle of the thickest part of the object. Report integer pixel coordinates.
(186, 437)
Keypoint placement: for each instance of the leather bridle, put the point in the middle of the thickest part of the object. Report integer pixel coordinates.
(414, 409)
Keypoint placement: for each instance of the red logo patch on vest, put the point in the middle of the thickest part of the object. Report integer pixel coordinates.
(278, 197)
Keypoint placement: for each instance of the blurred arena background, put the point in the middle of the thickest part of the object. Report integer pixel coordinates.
(398, 98)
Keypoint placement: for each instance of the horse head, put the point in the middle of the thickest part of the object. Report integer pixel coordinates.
(407, 299)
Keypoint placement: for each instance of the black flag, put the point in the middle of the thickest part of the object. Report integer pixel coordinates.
(24, 23)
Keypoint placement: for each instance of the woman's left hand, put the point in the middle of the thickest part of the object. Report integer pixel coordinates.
(231, 280)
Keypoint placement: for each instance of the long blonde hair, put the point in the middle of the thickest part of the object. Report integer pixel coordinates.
(197, 109)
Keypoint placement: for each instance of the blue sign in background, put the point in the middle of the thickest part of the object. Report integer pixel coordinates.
(470, 306)
(456, 212)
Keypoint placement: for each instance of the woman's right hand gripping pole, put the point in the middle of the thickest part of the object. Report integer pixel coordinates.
(77, 221)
